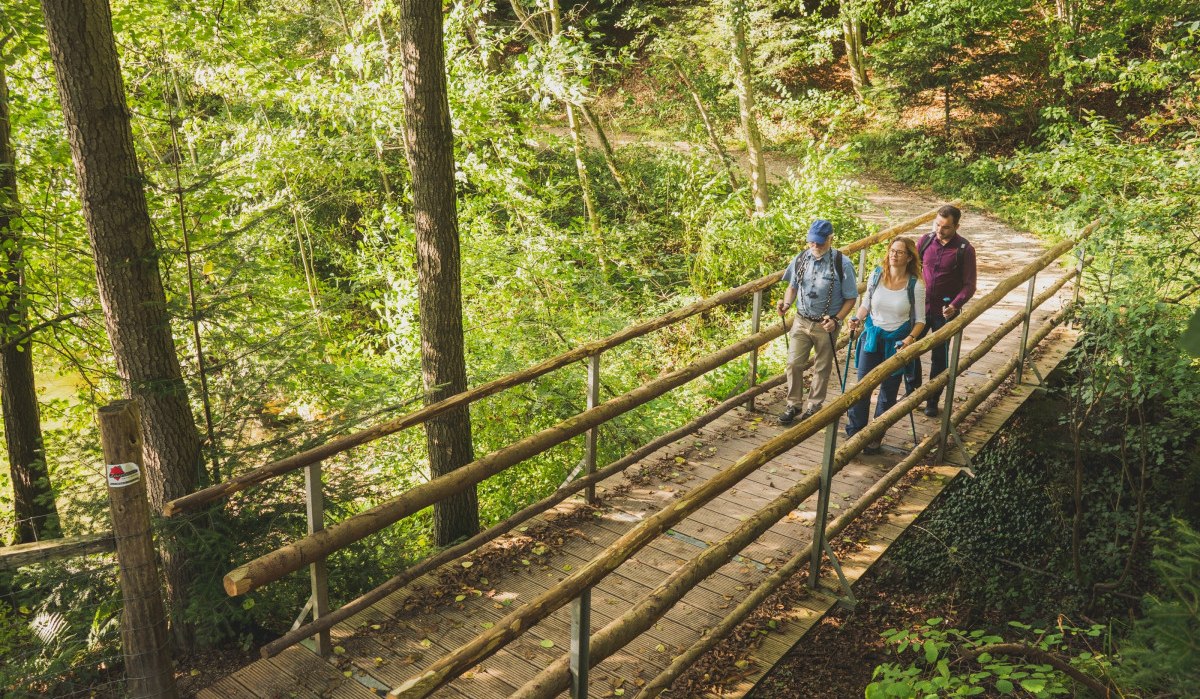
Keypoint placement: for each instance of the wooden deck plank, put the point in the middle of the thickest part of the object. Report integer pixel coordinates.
(403, 626)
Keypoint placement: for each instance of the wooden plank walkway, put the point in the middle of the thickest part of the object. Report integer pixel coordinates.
(386, 645)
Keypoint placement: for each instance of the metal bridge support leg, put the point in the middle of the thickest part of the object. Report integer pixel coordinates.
(755, 323)
(1025, 329)
(581, 622)
(593, 399)
(948, 408)
(818, 544)
(318, 573)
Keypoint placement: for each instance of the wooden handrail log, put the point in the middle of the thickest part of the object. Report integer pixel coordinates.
(562, 493)
(336, 446)
(656, 603)
(13, 557)
(520, 620)
(316, 546)
(399, 581)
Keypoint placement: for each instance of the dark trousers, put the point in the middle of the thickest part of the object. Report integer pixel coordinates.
(938, 356)
(856, 416)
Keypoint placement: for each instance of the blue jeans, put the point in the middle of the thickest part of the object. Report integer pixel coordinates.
(938, 356)
(856, 416)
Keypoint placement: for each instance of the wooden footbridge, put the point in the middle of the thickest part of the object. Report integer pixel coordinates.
(705, 532)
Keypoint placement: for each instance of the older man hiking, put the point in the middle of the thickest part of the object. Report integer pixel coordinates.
(948, 265)
(820, 280)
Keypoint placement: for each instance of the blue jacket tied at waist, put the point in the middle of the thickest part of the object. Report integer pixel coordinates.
(872, 335)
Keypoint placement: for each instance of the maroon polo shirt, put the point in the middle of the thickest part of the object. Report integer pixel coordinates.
(943, 278)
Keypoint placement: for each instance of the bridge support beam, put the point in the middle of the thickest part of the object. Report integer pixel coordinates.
(948, 406)
(593, 435)
(826, 485)
(581, 634)
(755, 323)
(1025, 329)
(318, 571)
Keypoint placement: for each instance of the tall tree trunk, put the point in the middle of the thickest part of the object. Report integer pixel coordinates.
(429, 144)
(585, 184)
(131, 293)
(744, 83)
(852, 36)
(946, 104)
(709, 128)
(33, 498)
(610, 158)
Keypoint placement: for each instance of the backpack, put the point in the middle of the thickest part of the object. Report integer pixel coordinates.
(877, 275)
(927, 240)
(837, 263)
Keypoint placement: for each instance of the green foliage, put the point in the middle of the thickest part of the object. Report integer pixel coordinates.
(937, 661)
(1161, 649)
(59, 627)
(987, 526)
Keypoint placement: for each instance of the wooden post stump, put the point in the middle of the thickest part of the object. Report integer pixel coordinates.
(148, 669)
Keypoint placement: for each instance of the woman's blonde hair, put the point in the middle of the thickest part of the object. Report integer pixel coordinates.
(914, 262)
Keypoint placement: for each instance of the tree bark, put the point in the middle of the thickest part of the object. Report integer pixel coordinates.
(852, 36)
(610, 158)
(92, 93)
(709, 128)
(33, 496)
(429, 144)
(744, 83)
(585, 184)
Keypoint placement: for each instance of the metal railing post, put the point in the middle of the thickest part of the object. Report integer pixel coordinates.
(314, 496)
(1080, 257)
(755, 324)
(581, 623)
(862, 264)
(593, 399)
(1025, 328)
(948, 406)
(818, 545)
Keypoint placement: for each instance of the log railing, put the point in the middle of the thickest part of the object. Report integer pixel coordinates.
(522, 619)
(320, 541)
(333, 447)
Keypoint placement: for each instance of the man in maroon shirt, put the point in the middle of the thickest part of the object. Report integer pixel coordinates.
(948, 265)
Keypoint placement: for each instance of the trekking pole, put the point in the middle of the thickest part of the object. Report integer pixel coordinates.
(912, 422)
(849, 353)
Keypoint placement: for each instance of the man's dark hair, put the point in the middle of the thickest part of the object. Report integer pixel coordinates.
(951, 212)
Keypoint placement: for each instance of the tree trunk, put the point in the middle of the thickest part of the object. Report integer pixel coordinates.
(429, 144)
(743, 80)
(610, 158)
(946, 103)
(33, 497)
(131, 292)
(709, 128)
(852, 36)
(585, 184)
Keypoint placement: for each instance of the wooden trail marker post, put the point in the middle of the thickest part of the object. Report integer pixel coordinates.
(148, 669)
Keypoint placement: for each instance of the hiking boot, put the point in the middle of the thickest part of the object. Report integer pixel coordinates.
(810, 412)
(788, 416)
(873, 449)
(931, 409)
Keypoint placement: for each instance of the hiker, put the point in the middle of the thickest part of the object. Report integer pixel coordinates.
(948, 263)
(892, 317)
(820, 280)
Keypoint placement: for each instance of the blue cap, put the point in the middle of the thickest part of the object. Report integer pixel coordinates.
(819, 231)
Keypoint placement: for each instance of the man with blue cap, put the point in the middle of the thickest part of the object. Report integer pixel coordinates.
(821, 282)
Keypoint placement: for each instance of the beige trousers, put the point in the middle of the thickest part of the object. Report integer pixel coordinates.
(808, 336)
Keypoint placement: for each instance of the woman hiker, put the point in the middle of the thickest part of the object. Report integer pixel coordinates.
(892, 316)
